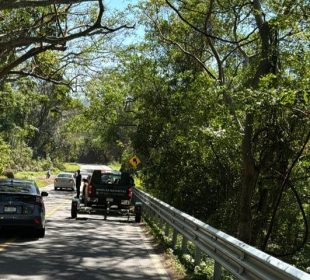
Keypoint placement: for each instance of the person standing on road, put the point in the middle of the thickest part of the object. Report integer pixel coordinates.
(48, 173)
(78, 180)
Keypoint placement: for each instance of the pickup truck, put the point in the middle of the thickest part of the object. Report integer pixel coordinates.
(108, 188)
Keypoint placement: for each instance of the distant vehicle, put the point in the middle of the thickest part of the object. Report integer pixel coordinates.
(64, 180)
(22, 206)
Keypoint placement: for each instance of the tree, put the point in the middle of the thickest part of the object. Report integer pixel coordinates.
(30, 28)
(242, 47)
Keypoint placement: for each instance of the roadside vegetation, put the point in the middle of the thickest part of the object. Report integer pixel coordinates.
(214, 100)
(40, 176)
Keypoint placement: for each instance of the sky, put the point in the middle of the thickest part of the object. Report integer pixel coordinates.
(119, 4)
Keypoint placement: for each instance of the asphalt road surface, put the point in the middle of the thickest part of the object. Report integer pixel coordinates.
(85, 248)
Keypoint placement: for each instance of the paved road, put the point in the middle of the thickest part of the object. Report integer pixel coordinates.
(86, 248)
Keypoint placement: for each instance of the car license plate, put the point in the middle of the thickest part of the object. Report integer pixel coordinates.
(125, 202)
(109, 199)
(9, 209)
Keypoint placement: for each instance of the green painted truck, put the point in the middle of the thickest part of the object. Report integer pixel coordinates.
(108, 191)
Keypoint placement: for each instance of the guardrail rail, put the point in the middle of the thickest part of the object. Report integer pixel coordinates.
(240, 259)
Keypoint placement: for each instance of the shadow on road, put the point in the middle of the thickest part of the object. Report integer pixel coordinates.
(86, 248)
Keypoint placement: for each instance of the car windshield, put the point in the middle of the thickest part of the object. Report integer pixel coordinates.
(63, 175)
(16, 188)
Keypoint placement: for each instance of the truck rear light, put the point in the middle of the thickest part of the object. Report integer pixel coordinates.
(129, 192)
(90, 189)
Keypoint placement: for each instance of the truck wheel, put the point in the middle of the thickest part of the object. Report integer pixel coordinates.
(138, 212)
(138, 217)
(73, 210)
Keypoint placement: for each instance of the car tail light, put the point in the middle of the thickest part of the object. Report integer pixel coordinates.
(37, 221)
(90, 189)
(129, 192)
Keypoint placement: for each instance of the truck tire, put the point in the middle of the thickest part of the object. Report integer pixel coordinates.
(73, 210)
(138, 212)
(138, 217)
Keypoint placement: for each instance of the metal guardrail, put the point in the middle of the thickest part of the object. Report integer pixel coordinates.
(241, 260)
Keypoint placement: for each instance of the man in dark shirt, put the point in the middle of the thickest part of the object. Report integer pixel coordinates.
(78, 180)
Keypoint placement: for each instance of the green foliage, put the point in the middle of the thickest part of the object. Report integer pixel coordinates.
(115, 165)
(70, 167)
(4, 155)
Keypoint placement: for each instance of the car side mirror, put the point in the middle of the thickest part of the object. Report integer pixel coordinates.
(44, 193)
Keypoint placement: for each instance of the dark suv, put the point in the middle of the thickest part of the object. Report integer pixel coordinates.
(22, 206)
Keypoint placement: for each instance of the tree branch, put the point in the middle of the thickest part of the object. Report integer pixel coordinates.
(47, 79)
(9, 4)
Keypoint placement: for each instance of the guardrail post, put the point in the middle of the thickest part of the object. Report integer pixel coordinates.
(147, 213)
(167, 230)
(184, 244)
(160, 222)
(174, 238)
(217, 271)
(197, 255)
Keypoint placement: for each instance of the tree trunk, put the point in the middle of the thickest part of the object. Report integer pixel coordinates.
(249, 177)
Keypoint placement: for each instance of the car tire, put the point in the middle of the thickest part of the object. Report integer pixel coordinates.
(55, 188)
(138, 218)
(40, 233)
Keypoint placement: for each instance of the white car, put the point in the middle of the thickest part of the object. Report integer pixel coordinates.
(64, 180)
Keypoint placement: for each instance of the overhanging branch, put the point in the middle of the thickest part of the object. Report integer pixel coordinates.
(9, 4)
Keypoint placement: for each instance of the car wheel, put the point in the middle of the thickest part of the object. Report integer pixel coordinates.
(55, 188)
(40, 233)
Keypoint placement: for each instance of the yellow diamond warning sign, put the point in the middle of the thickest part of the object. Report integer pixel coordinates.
(134, 161)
